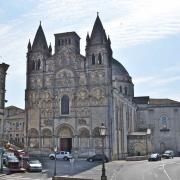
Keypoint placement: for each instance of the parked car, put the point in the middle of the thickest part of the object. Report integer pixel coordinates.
(98, 157)
(13, 164)
(168, 154)
(34, 165)
(154, 157)
(11, 160)
(65, 155)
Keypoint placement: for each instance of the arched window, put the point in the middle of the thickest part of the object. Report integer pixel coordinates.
(39, 64)
(33, 64)
(125, 91)
(62, 42)
(93, 59)
(99, 59)
(120, 89)
(65, 105)
(69, 41)
(164, 122)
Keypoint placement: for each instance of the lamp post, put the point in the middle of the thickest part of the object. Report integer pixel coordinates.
(148, 132)
(102, 132)
(55, 150)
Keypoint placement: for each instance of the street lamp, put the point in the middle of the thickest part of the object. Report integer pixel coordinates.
(55, 150)
(102, 132)
(148, 132)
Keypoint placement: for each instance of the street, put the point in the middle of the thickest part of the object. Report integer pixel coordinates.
(167, 169)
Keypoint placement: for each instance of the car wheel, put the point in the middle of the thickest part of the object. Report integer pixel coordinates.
(52, 157)
(65, 158)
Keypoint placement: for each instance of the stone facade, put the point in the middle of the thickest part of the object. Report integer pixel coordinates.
(69, 95)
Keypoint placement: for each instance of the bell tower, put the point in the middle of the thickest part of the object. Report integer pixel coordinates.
(98, 47)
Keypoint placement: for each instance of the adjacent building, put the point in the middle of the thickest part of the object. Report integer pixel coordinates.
(3, 70)
(14, 125)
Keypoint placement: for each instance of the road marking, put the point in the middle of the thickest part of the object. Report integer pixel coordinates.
(166, 172)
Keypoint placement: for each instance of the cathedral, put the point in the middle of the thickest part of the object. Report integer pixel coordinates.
(68, 96)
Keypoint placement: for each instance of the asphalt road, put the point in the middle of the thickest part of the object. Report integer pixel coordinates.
(167, 169)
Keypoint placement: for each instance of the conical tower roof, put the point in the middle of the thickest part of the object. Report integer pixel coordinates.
(98, 34)
(40, 42)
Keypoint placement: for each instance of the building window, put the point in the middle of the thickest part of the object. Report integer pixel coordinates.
(93, 59)
(120, 89)
(38, 64)
(33, 65)
(65, 105)
(125, 91)
(99, 59)
(69, 41)
(17, 125)
(164, 122)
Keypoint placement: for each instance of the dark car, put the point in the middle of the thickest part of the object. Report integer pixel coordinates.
(168, 154)
(13, 164)
(98, 157)
(154, 157)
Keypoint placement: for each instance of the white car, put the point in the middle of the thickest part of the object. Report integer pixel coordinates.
(34, 165)
(65, 155)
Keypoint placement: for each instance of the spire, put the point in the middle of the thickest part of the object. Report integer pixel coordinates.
(87, 37)
(109, 40)
(29, 46)
(98, 34)
(50, 49)
(40, 40)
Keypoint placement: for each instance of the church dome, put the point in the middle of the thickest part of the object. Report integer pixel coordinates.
(118, 69)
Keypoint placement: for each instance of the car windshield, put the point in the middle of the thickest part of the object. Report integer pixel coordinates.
(168, 152)
(34, 162)
(12, 158)
(154, 155)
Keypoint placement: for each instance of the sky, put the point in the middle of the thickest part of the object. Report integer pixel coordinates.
(145, 38)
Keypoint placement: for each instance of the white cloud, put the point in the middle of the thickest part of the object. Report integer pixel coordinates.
(128, 22)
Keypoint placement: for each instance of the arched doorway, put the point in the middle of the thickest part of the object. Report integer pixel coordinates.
(139, 149)
(65, 135)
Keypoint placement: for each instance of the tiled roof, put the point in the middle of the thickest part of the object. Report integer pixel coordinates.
(162, 101)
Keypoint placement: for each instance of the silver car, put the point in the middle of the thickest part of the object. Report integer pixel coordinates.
(34, 165)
